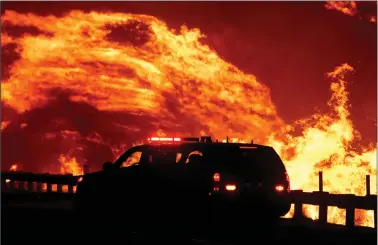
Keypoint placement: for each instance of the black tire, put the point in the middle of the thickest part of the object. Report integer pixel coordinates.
(283, 209)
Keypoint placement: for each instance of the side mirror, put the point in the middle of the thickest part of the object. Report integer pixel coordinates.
(106, 166)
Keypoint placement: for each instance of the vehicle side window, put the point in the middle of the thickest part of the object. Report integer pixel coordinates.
(178, 157)
(133, 159)
(165, 157)
(193, 154)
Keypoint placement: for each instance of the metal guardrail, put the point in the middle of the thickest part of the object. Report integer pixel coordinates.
(13, 181)
(323, 199)
(349, 202)
(25, 185)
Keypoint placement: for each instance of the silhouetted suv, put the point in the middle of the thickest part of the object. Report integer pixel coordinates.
(185, 179)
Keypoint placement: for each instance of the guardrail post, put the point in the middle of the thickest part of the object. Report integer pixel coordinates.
(323, 208)
(323, 213)
(11, 185)
(350, 209)
(367, 185)
(49, 187)
(70, 188)
(30, 186)
(21, 185)
(59, 188)
(39, 187)
(298, 205)
(320, 181)
(350, 217)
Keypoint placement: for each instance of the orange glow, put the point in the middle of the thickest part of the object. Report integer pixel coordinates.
(70, 165)
(230, 187)
(4, 124)
(345, 7)
(348, 8)
(14, 167)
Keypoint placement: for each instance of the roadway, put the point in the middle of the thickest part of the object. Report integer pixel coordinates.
(55, 222)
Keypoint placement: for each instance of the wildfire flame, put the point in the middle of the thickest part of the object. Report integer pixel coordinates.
(174, 78)
(348, 8)
(70, 165)
(77, 52)
(14, 167)
(4, 124)
(325, 145)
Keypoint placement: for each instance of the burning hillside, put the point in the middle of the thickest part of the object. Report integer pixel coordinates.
(84, 84)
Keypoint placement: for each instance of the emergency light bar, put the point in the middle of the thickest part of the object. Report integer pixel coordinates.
(170, 139)
(164, 139)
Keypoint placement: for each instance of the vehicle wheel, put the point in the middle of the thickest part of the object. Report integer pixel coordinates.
(91, 212)
(283, 209)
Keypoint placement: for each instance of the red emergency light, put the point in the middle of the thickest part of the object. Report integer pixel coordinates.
(164, 139)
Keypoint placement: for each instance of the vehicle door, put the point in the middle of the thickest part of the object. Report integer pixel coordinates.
(128, 177)
(163, 170)
(197, 173)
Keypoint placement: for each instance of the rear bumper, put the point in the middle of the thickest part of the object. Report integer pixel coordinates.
(274, 205)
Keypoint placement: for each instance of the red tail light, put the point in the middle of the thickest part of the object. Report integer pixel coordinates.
(216, 177)
(279, 188)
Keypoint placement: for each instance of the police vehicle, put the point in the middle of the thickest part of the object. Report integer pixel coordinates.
(188, 178)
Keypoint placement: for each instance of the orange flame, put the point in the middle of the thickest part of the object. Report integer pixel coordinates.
(325, 145)
(348, 8)
(14, 167)
(4, 125)
(79, 56)
(70, 165)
